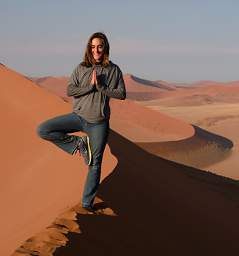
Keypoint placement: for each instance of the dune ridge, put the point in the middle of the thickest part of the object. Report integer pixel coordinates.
(201, 150)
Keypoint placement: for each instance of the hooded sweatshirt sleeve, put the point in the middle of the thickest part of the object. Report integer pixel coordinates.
(116, 86)
(74, 88)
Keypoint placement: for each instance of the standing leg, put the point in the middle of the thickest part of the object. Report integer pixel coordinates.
(56, 129)
(98, 134)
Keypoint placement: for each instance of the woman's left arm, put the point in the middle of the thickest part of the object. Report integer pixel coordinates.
(116, 87)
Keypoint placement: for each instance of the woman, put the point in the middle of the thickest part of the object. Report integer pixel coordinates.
(92, 83)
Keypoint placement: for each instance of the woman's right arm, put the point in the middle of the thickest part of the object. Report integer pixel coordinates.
(74, 88)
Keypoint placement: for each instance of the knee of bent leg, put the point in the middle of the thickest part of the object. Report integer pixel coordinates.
(42, 132)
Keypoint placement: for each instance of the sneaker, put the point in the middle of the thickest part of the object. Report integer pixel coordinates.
(84, 149)
(90, 209)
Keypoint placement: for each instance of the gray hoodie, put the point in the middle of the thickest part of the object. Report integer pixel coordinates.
(90, 103)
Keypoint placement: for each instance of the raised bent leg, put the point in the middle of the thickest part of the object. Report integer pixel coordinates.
(55, 130)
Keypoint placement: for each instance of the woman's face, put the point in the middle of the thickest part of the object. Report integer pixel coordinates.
(97, 49)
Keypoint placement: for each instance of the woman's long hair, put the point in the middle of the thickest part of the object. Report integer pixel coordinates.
(88, 58)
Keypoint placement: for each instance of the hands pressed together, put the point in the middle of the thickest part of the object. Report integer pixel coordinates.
(94, 80)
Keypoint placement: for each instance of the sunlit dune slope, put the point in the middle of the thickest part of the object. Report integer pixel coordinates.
(141, 124)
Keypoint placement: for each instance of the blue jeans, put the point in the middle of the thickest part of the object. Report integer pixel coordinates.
(55, 130)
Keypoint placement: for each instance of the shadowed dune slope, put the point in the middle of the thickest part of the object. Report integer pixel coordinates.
(201, 150)
(140, 89)
(159, 84)
(162, 208)
(38, 180)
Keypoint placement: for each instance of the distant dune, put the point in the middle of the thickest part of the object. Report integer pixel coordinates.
(57, 85)
(195, 96)
(161, 92)
(137, 88)
(209, 83)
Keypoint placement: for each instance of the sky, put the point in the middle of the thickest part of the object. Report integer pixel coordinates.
(171, 40)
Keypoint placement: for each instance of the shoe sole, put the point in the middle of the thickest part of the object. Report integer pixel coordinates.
(88, 149)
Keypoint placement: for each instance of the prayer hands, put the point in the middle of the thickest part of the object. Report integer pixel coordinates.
(95, 81)
(94, 78)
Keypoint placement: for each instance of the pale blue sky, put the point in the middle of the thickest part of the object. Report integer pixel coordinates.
(173, 40)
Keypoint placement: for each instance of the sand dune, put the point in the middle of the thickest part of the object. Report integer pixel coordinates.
(208, 83)
(141, 89)
(196, 96)
(202, 150)
(222, 119)
(135, 84)
(149, 202)
(163, 85)
(204, 115)
(161, 92)
(179, 94)
(140, 124)
(56, 85)
(230, 129)
(138, 89)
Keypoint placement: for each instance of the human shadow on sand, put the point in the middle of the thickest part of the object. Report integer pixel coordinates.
(161, 207)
